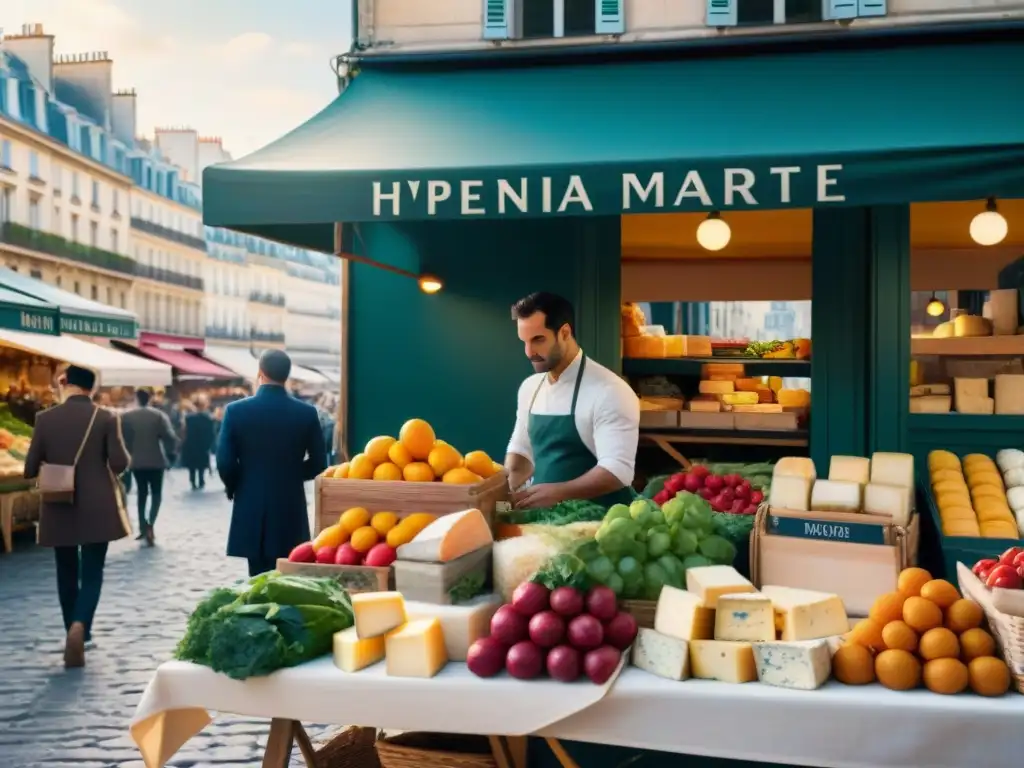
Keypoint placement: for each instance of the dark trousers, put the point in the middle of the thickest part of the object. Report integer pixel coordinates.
(126, 479)
(258, 565)
(150, 482)
(197, 477)
(79, 580)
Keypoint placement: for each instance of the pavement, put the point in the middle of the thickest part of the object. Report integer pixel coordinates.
(56, 718)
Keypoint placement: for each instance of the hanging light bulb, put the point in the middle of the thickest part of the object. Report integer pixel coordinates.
(430, 284)
(714, 233)
(935, 307)
(989, 227)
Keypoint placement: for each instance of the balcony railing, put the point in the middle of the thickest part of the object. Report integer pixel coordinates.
(169, 276)
(330, 312)
(313, 347)
(168, 234)
(268, 336)
(273, 299)
(55, 245)
(213, 332)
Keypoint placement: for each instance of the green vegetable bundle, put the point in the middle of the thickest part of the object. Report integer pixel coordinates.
(563, 513)
(268, 623)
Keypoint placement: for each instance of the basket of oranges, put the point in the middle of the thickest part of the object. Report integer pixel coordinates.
(1008, 628)
(924, 633)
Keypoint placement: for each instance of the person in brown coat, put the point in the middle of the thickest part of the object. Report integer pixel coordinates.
(80, 531)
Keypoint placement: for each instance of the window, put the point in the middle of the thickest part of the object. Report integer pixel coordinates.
(115, 202)
(731, 13)
(74, 186)
(94, 292)
(124, 300)
(78, 288)
(5, 154)
(110, 296)
(74, 227)
(505, 19)
(33, 165)
(94, 234)
(114, 245)
(56, 225)
(95, 194)
(36, 274)
(33, 213)
(6, 205)
(59, 281)
(55, 173)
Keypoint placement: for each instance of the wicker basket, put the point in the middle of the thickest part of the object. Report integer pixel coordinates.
(435, 750)
(641, 610)
(1007, 630)
(351, 747)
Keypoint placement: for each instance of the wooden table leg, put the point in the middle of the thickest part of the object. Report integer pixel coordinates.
(7, 519)
(279, 744)
(500, 751)
(564, 758)
(305, 745)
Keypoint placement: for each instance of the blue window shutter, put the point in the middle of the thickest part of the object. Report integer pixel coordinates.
(497, 15)
(841, 9)
(611, 20)
(722, 13)
(871, 7)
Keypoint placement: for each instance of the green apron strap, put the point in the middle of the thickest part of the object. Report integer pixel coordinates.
(576, 391)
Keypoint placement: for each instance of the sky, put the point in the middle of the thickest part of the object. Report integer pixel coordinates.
(248, 71)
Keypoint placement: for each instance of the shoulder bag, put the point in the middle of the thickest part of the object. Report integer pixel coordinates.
(57, 481)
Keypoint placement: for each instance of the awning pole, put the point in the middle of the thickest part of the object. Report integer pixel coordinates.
(341, 420)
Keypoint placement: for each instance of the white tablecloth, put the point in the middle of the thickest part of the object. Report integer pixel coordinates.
(834, 727)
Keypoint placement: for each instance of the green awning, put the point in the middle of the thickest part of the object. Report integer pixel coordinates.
(23, 313)
(76, 315)
(841, 127)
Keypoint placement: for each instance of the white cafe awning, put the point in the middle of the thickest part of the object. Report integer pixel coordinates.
(112, 368)
(236, 359)
(307, 376)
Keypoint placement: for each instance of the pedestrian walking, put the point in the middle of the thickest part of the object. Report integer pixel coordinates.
(198, 442)
(270, 444)
(76, 453)
(152, 444)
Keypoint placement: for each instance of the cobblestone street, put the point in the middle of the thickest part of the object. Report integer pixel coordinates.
(54, 718)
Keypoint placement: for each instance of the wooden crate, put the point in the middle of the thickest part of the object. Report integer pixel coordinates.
(335, 496)
(354, 578)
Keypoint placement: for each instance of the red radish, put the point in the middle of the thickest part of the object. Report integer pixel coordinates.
(530, 598)
(750, 509)
(742, 491)
(733, 480)
(718, 504)
(348, 555)
(524, 660)
(621, 631)
(486, 657)
(676, 483)
(325, 555)
(727, 493)
(547, 629)
(567, 601)
(699, 470)
(303, 553)
(693, 483)
(714, 482)
(380, 556)
(602, 603)
(585, 632)
(706, 493)
(756, 497)
(564, 663)
(508, 626)
(662, 497)
(738, 505)
(600, 664)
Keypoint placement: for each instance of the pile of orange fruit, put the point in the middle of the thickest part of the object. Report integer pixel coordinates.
(415, 456)
(924, 633)
(364, 531)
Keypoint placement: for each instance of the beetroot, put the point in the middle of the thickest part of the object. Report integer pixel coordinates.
(508, 626)
(486, 657)
(524, 660)
(348, 555)
(600, 664)
(662, 497)
(714, 482)
(621, 631)
(325, 555)
(564, 663)
(602, 603)
(585, 632)
(676, 483)
(530, 598)
(303, 553)
(567, 601)
(699, 470)
(547, 629)
(693, 483)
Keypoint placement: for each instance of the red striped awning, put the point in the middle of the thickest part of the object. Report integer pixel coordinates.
(187, 363)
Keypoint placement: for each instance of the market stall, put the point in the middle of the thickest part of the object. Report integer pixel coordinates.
(238, 359)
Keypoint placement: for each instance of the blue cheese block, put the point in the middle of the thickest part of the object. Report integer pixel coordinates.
(746, 617)
(803, 665)
(661, 655)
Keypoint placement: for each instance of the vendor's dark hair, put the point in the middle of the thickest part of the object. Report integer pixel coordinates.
(557, 311)
(142, 396)
(80, 377)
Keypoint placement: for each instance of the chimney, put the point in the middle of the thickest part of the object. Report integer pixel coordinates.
(181, 147)
(211, 152)
(85, 81)
(35, 48)
(123, 116)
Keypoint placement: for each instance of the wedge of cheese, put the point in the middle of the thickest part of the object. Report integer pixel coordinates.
(448, 538)
(352, 653)
(791, 493)
(803, 665)
(661, 655)
(795, 466)
(892, 469)
(377, 613)
(722, 660)
(850, 469)
(836, 496)
(801, 614)
(682, 615)
(462, 624)
(744, 617)
(889, 500)
(709, 582)
(416, 649)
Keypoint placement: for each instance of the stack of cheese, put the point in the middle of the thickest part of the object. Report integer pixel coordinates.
(963, 326)
(721, 628)
(882, 485)
(969, 497)
(1011, 462)
(726, 387)
(416, 638)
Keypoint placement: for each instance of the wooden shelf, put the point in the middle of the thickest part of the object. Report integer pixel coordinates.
(794, 439)
(690, 366)
(970, 346)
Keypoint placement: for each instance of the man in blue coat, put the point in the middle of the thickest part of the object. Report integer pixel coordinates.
(270, 444)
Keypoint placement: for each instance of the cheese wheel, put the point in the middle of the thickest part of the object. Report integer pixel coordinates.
(987, 477)
(943, 460)
(988, 504)
(958, 512)
(999, 530)
(977, 458)
(952, 475)
(949, 486)
(988, 492)
(953, 498)
(961, 528)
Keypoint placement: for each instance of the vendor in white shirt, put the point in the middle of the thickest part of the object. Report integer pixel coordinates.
(577, 423)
